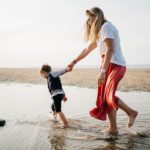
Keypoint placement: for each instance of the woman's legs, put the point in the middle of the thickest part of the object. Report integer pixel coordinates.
(132, 114)
(112, 82)
(112, 122)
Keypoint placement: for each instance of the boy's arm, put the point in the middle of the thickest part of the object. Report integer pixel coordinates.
(59, 73)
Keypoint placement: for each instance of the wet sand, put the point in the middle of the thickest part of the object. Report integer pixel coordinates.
(134, 80)
(26, 108)
(25, 104)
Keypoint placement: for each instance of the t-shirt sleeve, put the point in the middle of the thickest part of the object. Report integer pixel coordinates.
(58, 73)
(107, 32)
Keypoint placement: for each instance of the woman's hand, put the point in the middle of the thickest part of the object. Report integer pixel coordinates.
(109, 45)
(69, 68)
(101, 78)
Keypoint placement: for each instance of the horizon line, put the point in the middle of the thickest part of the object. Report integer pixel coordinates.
(81, 66)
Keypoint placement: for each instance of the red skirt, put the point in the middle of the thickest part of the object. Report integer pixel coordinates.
(106, 99)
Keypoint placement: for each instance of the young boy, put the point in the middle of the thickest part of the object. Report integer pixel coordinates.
(55, 89)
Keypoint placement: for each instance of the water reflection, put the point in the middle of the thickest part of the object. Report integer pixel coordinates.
(57, 137)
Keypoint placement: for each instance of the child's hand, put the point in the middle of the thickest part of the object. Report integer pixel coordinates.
(69, 69)
(65, 99)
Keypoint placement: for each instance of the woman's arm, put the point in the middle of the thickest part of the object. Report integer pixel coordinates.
(109, 50)
(83, 54)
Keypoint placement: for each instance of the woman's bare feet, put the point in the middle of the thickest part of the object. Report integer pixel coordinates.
(110, 131)
(132, 117)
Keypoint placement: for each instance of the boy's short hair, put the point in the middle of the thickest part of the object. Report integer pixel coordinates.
(45, 68)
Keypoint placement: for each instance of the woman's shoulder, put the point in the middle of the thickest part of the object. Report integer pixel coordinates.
(107, 25)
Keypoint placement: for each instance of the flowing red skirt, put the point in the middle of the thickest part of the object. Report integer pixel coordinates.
(106, 99)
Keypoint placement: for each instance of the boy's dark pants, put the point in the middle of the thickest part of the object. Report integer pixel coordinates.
(56, 105)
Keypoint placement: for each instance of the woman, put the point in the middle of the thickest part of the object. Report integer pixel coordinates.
(100, 32)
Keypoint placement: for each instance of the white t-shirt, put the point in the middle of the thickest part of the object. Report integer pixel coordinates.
(108, 30)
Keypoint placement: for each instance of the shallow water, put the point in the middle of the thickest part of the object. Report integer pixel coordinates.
(26, 108)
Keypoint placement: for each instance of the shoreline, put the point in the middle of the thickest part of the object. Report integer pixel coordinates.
(134, 79)
(65, 85)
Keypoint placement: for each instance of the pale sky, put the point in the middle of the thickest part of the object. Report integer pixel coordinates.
(33, 32)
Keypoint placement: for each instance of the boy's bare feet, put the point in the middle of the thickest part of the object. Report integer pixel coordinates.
(63, 126)
(66, 126)
(132, 117)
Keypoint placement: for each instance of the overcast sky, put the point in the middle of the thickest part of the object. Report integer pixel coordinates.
(33, 32)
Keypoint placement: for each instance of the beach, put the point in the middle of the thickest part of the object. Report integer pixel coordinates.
(26, 102)
(134, 80)
(89, 36)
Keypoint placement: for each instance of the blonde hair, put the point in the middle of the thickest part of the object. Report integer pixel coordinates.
(92, 31)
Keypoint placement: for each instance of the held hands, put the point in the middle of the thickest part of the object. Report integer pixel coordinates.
(70, 66)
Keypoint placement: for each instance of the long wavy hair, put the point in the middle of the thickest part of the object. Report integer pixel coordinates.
(93, 24)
